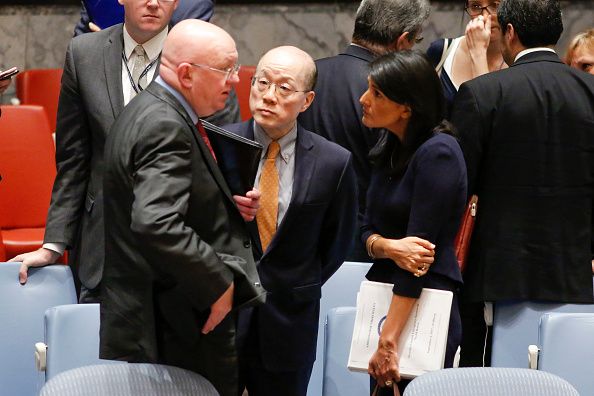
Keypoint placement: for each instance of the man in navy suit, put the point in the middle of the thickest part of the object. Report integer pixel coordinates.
(306, 239)
(380, 26)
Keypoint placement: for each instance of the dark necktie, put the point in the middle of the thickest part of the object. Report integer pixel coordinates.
(202, 132)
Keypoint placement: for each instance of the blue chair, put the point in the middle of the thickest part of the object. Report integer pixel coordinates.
(340, 290)
(566, 348)
(71, 339)
(489, 381)
(22, 308)
(515, 326)
(131, 379)
(338, 380)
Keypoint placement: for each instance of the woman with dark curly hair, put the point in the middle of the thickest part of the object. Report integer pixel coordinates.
(415, 199)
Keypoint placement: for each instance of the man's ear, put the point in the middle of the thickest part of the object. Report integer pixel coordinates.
(184, 76)
(404, 41)
(309, 97)
(510, 33)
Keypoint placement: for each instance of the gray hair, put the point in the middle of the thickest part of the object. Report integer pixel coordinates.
(381, 22)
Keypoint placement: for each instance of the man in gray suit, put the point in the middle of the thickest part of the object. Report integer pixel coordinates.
(179, 250)
(103, 71)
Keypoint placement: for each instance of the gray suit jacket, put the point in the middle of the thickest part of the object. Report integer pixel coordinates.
(90, 99)
(174, 235)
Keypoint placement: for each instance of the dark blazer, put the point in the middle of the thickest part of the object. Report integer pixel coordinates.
(527, 134)
(336, 114)
(309, 246)
(169, 216)
(90, 99)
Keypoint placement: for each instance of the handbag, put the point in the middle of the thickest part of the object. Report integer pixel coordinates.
(462, 240)
(394, 388)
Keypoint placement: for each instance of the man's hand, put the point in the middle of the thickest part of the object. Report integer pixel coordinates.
(248, 206)
(93, 27)
(219, 309)
(37, 258)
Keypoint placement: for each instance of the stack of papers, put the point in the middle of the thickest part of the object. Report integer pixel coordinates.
(423, 341)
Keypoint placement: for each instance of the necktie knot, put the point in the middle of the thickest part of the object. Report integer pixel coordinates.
(139, 51)
(273, 150)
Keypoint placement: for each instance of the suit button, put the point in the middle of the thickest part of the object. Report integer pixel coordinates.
(246, 244)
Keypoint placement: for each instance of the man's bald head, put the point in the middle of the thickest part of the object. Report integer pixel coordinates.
(195, 58)
(193, 40)
(290, 55)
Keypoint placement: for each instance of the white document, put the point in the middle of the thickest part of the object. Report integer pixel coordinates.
(424, 338)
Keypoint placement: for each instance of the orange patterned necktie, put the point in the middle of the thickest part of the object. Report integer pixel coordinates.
(268, 212)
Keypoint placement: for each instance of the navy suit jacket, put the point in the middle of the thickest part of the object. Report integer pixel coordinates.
(336, 114)
(309, 246)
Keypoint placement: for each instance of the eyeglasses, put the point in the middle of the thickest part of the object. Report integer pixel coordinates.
(475, 9)
(230, 71)
(283, 90)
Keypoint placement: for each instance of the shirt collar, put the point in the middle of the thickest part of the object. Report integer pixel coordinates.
(152, 47)
(179, 97)
(530, 50)
(286, 143)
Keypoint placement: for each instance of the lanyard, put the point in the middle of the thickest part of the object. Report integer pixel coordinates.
(138, 88)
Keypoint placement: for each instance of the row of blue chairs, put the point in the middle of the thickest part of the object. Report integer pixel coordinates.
(45, 310)
(43, 316)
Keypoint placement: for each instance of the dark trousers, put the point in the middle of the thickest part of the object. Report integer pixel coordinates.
(213, 356)
(260, 380)
(474, 331)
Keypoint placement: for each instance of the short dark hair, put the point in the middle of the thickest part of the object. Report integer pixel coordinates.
(536, 22)
(381, 22)
(407, 77)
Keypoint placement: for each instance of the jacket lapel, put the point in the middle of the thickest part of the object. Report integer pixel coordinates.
(162, 94)
(112, 62)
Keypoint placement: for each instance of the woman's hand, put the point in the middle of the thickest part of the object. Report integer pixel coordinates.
(478, 35)
(384, 364)
(412, 254)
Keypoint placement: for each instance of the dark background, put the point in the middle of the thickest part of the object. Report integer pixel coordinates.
(47, 2)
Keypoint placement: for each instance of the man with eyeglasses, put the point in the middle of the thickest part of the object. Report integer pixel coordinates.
(527, 133)
(380, 26)
(303, 229)
(103, 71)
(179, 253)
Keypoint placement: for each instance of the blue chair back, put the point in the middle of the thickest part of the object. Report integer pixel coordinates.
(340, 290)
(72, 338)
(22, 308)
(338, 380)
(489, 381)
(515, 326)
(566, 342)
